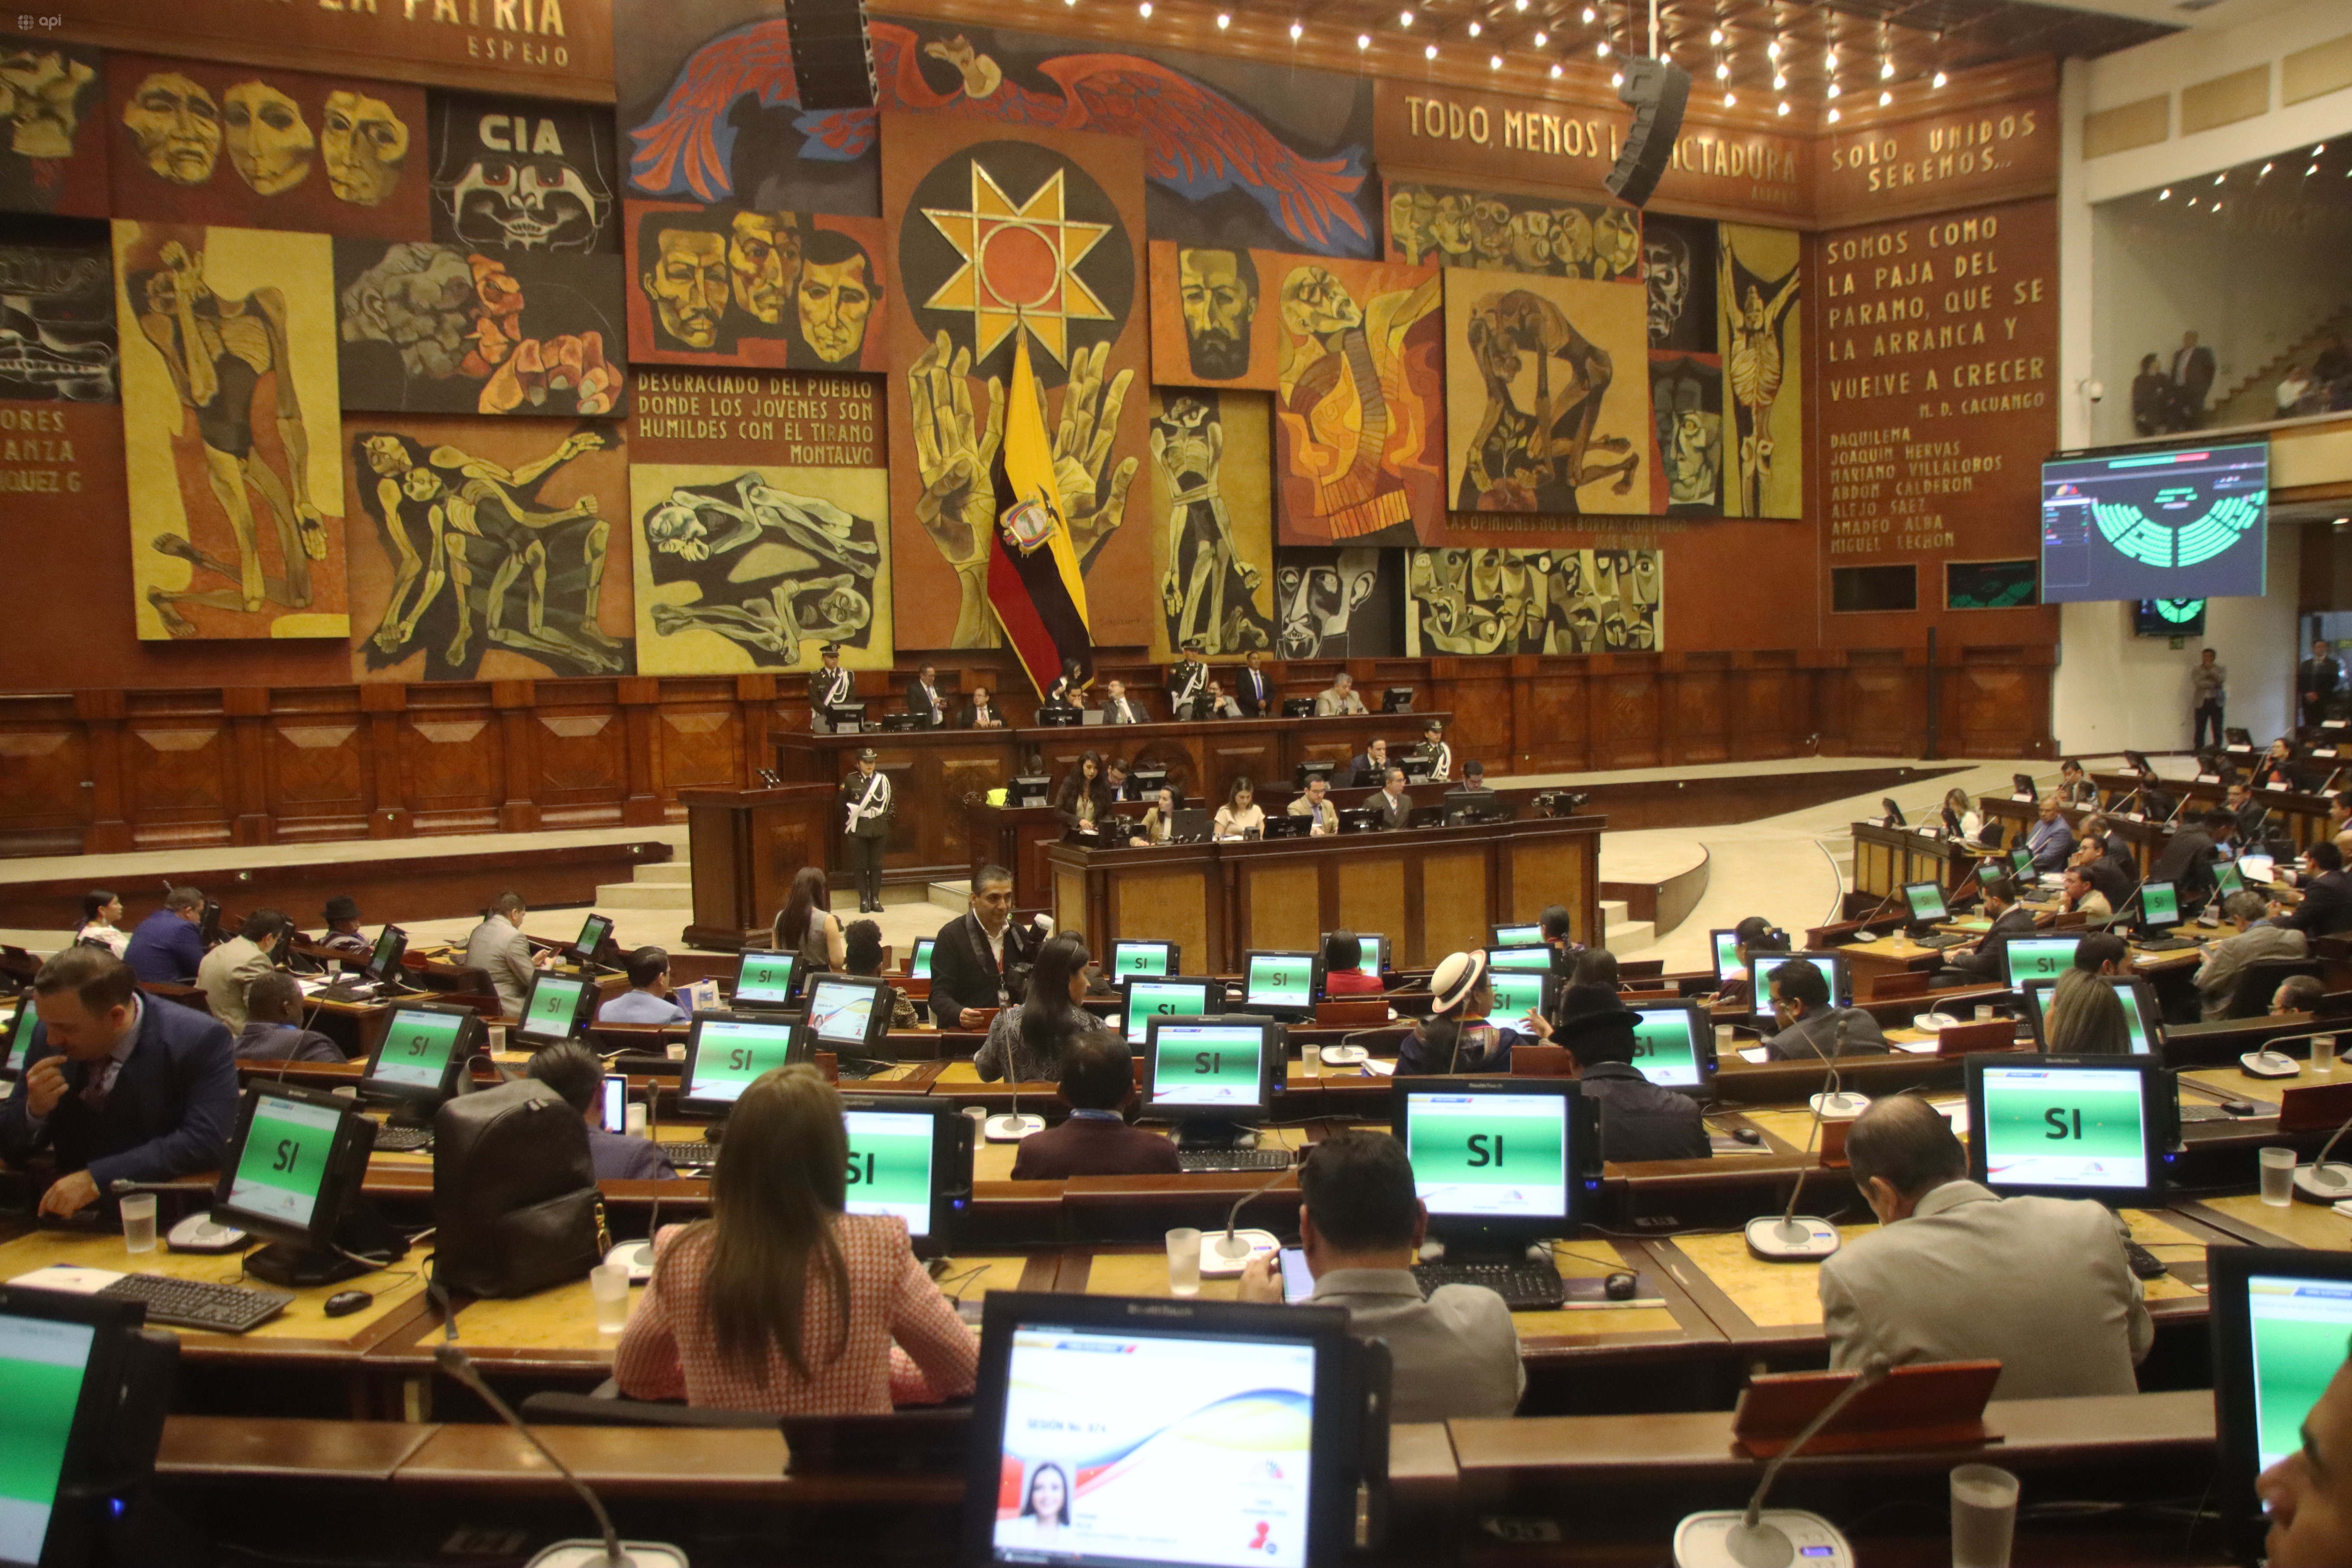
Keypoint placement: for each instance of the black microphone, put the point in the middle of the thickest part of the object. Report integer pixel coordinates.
(612, 1551)
(1746, 1538)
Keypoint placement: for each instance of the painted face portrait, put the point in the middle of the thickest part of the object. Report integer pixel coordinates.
(177, 127)
(1219, 292)
(1317, 602)
(364, 143)
(1314, 304)
(40, 91)
(1666, 270)
(763, 254)
(834, 298)
(525, 204)
(269, 144)
(688, 285)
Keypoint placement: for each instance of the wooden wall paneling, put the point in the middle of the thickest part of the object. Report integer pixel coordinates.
(1541, 872)
(245, 710)
(47, 790)
(453, 759)
(1481, 694)
(638, 696)
(1885, 712)
(512, 701)
(1371, 897)
(578, 754)
(1697, 687)
(1995, 703)
(381, 705)
(316, 766)
(1554, 707)
(178, 769)
(1456, 898)
(1626, 711)
(1281, 904)
(1171, 906)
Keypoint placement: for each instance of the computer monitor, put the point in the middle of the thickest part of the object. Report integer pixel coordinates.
(1211, 1077)
(1517, 991)
(1926, 903)
(1500, 1163)
(2280, 1317)
(1835, 973)
(1322, 768)
(16, 1055)
(2228, 879)
(2160, 907)
(595, 932)
(426, 1050)
(67, 1364)
(1894, 813)
(847, 1015)
(555, 1009)
(767, 980)
(612, 1102)
(1725, 944)
(2041, 957)
(383, 961)
(918, 962)
(2141, 1016)
(1144, 958)
(1519, 960)
(1144, 997)
(1530, 933)
(2021, 862)
(1174, 1433)
(724, 1052)
(1373, 946)
(2070, 1127)
(208, 926)
(1282, 984)
(1029, 789)
(1462, 804)
(909, 1156)
(1674, 1047)
(1147, 781)
(293, 1171)
(2257, 867)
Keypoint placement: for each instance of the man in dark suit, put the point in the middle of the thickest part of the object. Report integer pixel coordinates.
(119, 1087)
(571, 1070)
(2316, 679)
(1098, 1079)
(2252, 815)
(1367, 770)
(1115, 778)
(1119, 708)
(1391, 806)
(2192, 374)
(1639, 1121)
(829, 686)
(1988, 963)
(926, 701)
(1252, 689)
(1811, 1025)
(973, 953)
(979, 713)
(2327, 906)
(2188, 861)
(166, 945)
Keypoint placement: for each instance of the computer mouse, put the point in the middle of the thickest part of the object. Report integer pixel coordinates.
(344, 1303)
(1748, 1135)
(1619, 1287)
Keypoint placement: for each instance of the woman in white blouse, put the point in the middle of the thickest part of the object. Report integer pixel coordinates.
(1240, 817)
(100, 912)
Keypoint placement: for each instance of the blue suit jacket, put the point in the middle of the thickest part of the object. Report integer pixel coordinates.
(164, 947)
(171, 1112)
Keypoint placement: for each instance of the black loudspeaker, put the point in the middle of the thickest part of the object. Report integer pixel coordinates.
(832, 56)
(1657, 91)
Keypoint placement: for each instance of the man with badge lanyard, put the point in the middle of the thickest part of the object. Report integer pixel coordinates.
(828, 688)
(1188, 683)
(866, 794)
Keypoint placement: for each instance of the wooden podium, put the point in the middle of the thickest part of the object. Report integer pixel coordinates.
(745, 846)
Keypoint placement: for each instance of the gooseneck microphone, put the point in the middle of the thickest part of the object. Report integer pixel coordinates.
(1790, 1239)
(1226, 1253)
(2321, 1183)
(1750, 1539)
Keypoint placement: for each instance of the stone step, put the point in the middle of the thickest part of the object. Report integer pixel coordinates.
(1630, 936)
(666, 874)
(954, 895)
(1614, 911)
(644, 896)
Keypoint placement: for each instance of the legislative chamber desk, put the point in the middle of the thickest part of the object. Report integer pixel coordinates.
(1431, 890)
(1884, 858)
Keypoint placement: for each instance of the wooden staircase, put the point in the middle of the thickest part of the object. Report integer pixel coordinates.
(2254, 399)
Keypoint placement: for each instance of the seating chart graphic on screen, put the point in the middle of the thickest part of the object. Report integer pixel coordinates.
(1144, 1448)
(42, 1364)
(1489, 1155)
(2300, 1328)
(2156, 525)
(2063, 1127)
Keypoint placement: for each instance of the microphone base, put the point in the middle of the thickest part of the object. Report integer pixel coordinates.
(1842, 1106)
(1216, 1265)
(1722, 1540)
(1768, 1241)
(2309, 1189)
(1012, 1127)
(590, 1554)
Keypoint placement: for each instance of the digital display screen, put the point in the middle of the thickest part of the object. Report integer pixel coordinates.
(1134, 1449)
(1149, 999)
(1768, 964)
(840, 1015)
(729, 1054)
(2228, 879)
(2021, 860)
(2135, 1019)
(388, 945)
(1137, 958)
(1927, 902)
(415, 1050)
(284, 1161)
(1664, 1051)
(890, 1166)
(920, 966)
(764, 979)
(1281, 980)
(1375, 950)
(2065, 1127)
(20, 1034)
(612, 1103)
(549, 1011)
(592, 932)
(1515, 995)
(1519, 960)
(1209, 1064)
(1518, 936)
(1727, 958)
(2156, 525)
(42, 1365)
(2040, 957)
(2300, 1327)
(2159, 904)
(1489, 1155)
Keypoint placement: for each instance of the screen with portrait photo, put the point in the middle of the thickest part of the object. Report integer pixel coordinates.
(2070, 1127)
(1489, 1155)
(841, 1014)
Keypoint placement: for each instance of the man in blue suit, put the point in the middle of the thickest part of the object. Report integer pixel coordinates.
(119, 1087)
(166, 945)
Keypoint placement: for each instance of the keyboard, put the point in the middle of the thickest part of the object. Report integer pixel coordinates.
(403, 1139)
(1941, 940)
(193, 1304)
(2145, 1265)
(691, 1154)
(1232, 1159)
(2167, 945)
(1523, 1287)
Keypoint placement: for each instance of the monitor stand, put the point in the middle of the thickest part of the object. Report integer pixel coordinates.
(299, 1266)
(1215, 1135)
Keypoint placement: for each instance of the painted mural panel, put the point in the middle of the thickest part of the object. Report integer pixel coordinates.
(1213, 556)
(57, 312)
(53, 98)
(1464, 601)
(732, 285)
(1339, 603)
(1500, 231)
(1760, 326)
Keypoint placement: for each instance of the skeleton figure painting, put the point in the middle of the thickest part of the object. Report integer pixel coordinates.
(1686, 401)
(734, 286)
(1534, 601)
(1678, 258)
(1490, 231)
(520, 175)
(231, 364)
(492, 552)
(746, 569)
(1214, 553)
(57, 313)
(1339, 604)
(1756, 277)
(54, 160)
(1545, 393)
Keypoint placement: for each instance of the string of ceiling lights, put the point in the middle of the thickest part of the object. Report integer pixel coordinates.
(2248, 185)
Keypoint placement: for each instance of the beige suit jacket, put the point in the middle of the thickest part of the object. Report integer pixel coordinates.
(2037, 1284)
(499, 949)
(225, 973)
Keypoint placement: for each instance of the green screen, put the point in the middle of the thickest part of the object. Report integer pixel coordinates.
(890, 1166)
(2228, 879)
(1149, 999)
(1664, 1051)
(415, 1050)
(1517, 936)
(2134, 1020)
(1209, 1064)
(920, 968)
(284, 1160)
(386, 941)
(2063, 1127)
(1280, 980)
(1927, 900)
(1489, 1155)
(1515, 993)
(729, 1055)
(1139, 958)
(1519, 960)
(1726, 955)
(553, 1005)
(20, 1034)
(764, 978)
(2299, 1332)
(2040, 957)
(2161, 903)
(42, 1364)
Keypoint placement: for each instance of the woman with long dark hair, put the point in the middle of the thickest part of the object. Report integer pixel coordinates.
(1028, 1040)
(1159, 826)
(806, 925)
(1241, 816)
(1084, 799)
(779, 1301)
(101, 917)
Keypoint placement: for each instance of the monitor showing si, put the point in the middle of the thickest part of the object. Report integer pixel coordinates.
(554, 1010)
(1674, 1047)
(766, 979)
(2040, 957)
(912, 1159)
(1283, 983)
(2070, 1127)
(2142, 1016)
(724, 1053)
(1146, 997)
(1144, 958)
(1500, 1163)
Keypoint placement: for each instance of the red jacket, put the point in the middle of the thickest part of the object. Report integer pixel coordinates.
(1352, 982)
(1087, 1146)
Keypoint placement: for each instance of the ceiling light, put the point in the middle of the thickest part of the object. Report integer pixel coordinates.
(1474, 29)
(1833, 117)
(2164, 195)
(1731, 100)
(1297, 28)
(1404, 18)
(2222, 177)
(1542, 39)
(1363, 41)
(2313, 170)
(1941, 78)
(1587, 15)
(1430, 53)
(1144, 8)
(2217, 208)
(1557, 70)
(2192, 201)
(1494, 62)
(1603, 49)
(1780, 82)
(1715, 37)
(1772, 50)
(1886, 70)
(1224, 20)
(1885, 99)
(2266, 169)
(1722, 71)
(1833, 89)
(1829, 59)
(2316, 152)
(1784, 106)
(1616, 78)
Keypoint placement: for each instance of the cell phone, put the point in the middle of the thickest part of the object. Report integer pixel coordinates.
(614, 1115)
(1297, 1279)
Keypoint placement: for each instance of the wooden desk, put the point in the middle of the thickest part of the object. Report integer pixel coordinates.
(1887, 858)
(745, 846)
(1434, 891)
(2245, 1217)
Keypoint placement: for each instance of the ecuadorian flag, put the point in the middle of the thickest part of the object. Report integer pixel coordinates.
(1033, 568)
